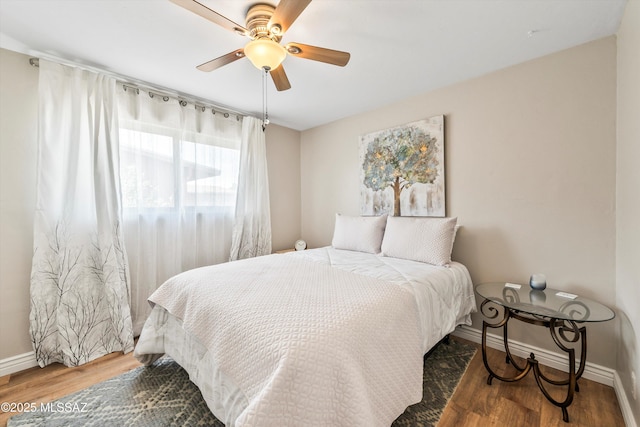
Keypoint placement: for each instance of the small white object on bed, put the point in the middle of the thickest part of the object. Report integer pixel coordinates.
(317, 337)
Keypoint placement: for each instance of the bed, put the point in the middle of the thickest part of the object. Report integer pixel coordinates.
(321, 337)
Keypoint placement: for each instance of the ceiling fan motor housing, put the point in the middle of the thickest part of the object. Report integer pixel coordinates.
(257, 23)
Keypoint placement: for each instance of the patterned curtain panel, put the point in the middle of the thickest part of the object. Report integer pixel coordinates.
(79, 280)
(179, 172)
(252, 227)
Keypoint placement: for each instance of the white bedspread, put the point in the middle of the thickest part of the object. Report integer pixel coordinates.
(444, 295)
(320, 337)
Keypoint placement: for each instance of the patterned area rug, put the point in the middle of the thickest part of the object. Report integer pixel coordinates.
(162, 395)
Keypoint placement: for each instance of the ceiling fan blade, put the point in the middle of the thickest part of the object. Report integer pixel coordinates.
(211, 15)
(321, 54)
(280, 78)
(286, 13)
(222, 60)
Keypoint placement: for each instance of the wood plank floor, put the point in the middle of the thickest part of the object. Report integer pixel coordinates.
(474, 403)
(521, 404)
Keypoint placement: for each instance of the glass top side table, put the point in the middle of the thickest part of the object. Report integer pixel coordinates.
(561, 313)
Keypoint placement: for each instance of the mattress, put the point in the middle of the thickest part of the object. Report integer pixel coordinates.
(317, 337)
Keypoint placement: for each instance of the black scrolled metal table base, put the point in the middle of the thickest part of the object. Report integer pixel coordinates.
(562, 331)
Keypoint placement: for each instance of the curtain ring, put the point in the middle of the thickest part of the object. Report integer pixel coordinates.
(135, 89)
(183, 102)
(165, 98)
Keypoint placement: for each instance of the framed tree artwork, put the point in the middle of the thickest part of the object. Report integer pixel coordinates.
(402, 170)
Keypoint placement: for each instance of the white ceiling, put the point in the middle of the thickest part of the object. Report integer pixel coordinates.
(399, 48)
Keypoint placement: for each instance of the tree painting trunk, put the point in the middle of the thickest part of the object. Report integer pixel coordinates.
(396, 196)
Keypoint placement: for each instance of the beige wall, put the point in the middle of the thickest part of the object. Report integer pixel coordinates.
(628, 202)
(18, 115)
(530, 159)
(18, 125)
(283, 158)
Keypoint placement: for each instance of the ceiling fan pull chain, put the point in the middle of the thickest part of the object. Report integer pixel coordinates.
(265, 113)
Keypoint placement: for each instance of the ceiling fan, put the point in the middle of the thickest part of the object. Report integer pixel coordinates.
(265, 26)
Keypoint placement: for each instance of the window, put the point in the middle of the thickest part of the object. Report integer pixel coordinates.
(159, 171)
(179, 173)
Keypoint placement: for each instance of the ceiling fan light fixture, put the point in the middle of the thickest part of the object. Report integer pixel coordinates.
(265, 53)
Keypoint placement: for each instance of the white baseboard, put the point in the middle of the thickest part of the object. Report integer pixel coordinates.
(18, 363)
(592, 371)
(623, 401)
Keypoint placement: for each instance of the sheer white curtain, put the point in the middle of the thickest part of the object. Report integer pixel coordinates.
(252, 228)
(179, 174)
(79, 280)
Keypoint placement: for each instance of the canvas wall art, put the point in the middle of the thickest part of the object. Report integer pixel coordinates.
(402, 170)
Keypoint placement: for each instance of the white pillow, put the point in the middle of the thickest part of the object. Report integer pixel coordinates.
(359, 233)
(427, 240)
